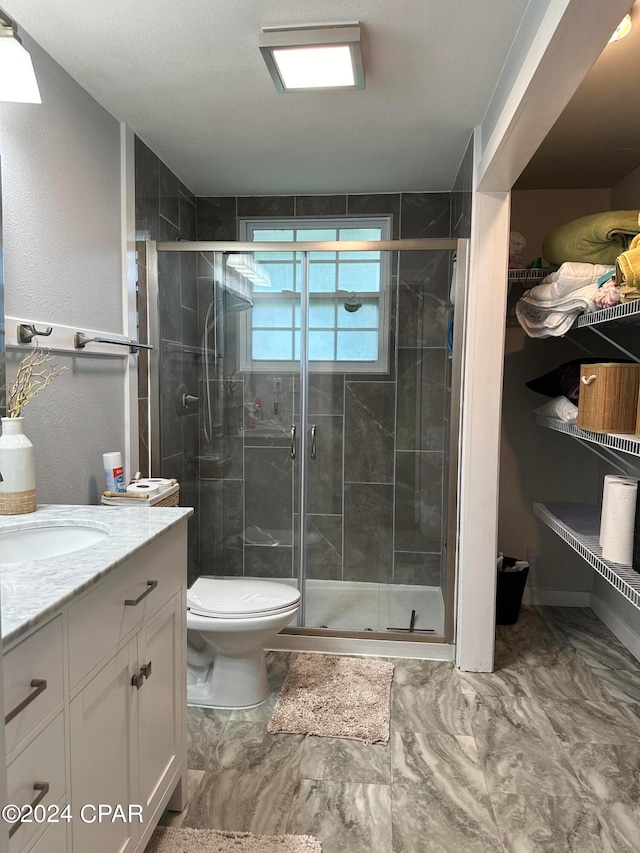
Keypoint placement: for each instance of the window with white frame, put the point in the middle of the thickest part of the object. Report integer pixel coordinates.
(353, 341)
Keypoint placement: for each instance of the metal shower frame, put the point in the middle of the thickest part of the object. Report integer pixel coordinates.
(149, 250)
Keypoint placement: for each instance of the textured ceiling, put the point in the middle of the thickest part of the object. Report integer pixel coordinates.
(188, 77)
(596, 140)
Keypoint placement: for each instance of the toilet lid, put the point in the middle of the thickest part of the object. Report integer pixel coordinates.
(229, 597)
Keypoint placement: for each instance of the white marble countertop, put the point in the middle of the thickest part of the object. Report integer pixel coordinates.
(33, 590)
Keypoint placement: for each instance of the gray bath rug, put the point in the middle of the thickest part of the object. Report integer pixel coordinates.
(335, 696)
(168, 840)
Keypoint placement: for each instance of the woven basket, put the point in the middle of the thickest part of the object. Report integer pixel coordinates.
(17, 503)
(608, 399)
(170, 500)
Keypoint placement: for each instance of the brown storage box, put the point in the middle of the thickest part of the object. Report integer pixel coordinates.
(608, 399)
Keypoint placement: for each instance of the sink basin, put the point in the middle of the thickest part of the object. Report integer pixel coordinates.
(40, 542)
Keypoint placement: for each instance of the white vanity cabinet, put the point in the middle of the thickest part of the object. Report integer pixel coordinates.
(126, 733)
(109, 728)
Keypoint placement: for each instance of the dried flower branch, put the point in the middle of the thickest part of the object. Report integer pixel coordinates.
(35, 373)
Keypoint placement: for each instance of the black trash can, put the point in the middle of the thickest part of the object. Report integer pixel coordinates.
(512, 578)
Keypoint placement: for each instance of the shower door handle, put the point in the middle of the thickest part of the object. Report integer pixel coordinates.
(293, 441)
(313, 441)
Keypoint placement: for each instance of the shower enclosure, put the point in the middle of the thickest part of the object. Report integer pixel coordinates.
(308, 401)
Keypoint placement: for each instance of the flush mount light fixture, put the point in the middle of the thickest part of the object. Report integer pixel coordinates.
(623, 29)
(17, 78)
(303, 59)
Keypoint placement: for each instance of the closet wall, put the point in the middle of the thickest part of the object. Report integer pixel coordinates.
(537, 464)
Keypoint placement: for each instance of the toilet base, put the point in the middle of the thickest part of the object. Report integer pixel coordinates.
(230, 683)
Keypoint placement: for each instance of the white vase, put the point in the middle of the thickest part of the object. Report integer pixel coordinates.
(17, 469)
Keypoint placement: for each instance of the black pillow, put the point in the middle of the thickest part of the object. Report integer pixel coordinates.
(564, 381)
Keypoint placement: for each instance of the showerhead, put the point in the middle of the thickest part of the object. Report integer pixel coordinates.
(352, 304)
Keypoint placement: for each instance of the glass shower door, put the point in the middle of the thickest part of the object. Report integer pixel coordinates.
(258, 365)
(350, 428)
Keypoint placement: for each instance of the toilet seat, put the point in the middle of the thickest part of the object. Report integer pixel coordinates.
(240, 598)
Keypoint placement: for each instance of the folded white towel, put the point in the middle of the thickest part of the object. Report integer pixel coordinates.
(552, 307)
(561, 408)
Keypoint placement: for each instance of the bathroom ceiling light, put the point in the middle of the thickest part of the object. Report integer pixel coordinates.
(623, 29)
(306, 59)
(17, 78)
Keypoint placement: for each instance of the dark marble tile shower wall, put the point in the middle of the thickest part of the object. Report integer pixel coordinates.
(375, 503)
(166, 210)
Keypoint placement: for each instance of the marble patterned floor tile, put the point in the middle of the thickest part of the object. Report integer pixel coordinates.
(504, 652)
(442, 821)
(548, 654)
(593, 722)
(621, 684)
(571, 680)
(345, 817)
(204, 728)
(581, 619)
(440, 764)
(609, 772)
(621, 822)
(543, 647)
(603, 652)
(409, 672)
(518, 750)
(340, 760)
(176, 819)
(508, 680)
(535, 824)
(427, 699)
(249, 784)
(530, 627)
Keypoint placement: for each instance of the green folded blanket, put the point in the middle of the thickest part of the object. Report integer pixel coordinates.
(595, 239)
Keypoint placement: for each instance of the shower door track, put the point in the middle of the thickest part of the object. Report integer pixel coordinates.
(460, 247)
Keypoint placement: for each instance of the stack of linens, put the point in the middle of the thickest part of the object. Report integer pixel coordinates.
(552, 307)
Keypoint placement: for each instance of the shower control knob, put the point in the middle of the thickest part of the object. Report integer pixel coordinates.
(187, 399)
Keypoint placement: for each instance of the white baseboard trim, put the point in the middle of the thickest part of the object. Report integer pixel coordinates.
(614, 623)
(556, 597)
(367, 648)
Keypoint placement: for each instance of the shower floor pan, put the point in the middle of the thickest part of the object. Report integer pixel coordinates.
(353, 606)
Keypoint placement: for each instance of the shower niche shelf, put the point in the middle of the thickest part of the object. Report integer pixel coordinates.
(579, 526)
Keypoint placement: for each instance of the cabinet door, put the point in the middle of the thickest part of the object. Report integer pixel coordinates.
(160, 703)
(54, 840)
(103, 755)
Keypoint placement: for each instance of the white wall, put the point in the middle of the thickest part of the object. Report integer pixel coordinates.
(63, 264)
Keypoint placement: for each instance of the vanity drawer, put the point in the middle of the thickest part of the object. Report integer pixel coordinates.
(121, 604)
(42, 763)
(33, 682)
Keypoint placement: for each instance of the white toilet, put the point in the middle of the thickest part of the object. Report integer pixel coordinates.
(229, 622)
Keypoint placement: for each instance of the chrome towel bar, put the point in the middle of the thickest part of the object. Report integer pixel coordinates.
(80, 340)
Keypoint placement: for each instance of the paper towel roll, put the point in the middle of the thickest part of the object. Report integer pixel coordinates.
(635, 563)
(619, 522)
(142, 487)
(610, 478)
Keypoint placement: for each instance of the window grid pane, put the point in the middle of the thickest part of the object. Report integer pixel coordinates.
(334, 334)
